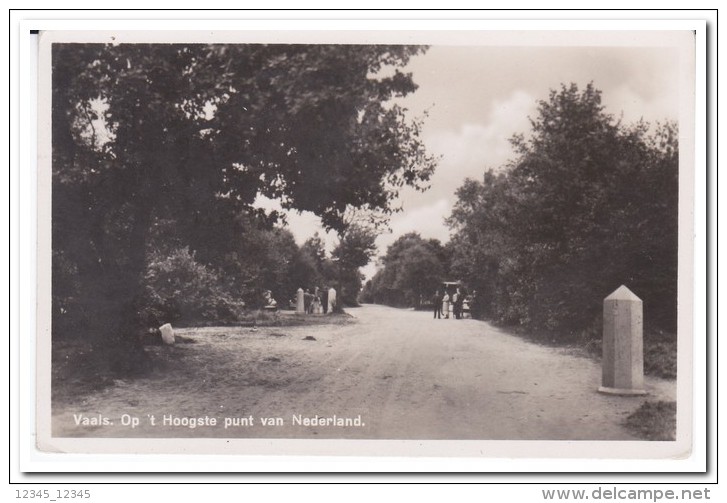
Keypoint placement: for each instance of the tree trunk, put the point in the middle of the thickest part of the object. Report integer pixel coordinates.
(112, 288)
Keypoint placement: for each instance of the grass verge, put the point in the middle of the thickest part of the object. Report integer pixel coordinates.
(260, 318)
(654, 421)
(77, 367)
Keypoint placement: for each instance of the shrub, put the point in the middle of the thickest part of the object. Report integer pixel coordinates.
(179, 289)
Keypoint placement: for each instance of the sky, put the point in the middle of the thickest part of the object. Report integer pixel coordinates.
(477, 97)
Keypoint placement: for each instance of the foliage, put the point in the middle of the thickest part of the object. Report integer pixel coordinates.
(262, 259)
(587, 205)
(660, 357)
(306, 272)
(315, 249)
(179, 289)
(354, 250)
(413, 270)
(189, 135)
(356, 247)
(313, 266)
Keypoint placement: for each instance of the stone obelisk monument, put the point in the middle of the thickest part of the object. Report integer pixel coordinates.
(623, 344)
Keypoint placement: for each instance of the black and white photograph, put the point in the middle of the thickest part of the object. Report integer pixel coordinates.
(481, 238)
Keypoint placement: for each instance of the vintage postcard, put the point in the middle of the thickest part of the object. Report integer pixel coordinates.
(366, 243)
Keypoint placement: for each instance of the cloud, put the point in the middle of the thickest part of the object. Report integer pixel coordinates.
(627, 101)
(428, 221)
(468, 150)
(476, 147)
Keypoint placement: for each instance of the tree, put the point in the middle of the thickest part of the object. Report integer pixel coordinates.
(191, 134)
(420, 274)
(482, 237)
(315, 247)
(413, 270)
(264, 260)
(354, 250)
(582, 209)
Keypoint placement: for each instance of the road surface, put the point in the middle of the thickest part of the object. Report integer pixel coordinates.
(393, 374)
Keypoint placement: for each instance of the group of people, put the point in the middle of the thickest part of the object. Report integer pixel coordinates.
(447, 304)
(321, 301)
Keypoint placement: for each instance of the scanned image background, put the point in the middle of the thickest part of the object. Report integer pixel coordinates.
(364, 241)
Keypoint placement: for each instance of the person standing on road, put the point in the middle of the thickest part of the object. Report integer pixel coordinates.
(324, 300)
(437, 301)
(445, 304)
(458, 301)
(308, 301)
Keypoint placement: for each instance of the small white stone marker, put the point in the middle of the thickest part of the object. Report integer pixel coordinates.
(167, 333)
(300, 302)
(623, 344)
(331, 299)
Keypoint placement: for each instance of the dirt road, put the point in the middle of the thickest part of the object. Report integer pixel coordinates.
(394, 374)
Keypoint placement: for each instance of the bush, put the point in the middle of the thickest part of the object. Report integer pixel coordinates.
(660, 348)
(179, 289)
(660, 353)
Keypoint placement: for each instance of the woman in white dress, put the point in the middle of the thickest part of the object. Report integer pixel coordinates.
(445, 305)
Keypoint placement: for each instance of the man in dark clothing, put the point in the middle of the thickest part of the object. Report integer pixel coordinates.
(457, 298)
(324, 299)
(308, 300)
(475, 305)
(437, 301)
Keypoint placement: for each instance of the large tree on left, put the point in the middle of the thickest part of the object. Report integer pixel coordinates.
(186, 136)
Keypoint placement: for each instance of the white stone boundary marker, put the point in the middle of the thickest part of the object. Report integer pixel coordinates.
(300, 302)
(167, 333)
(331, 300)
(623, 344)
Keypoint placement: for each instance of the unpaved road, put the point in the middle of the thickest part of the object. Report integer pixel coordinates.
(406, 375)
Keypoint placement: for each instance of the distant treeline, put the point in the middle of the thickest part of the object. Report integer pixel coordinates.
(587, 205)
(413, 270)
